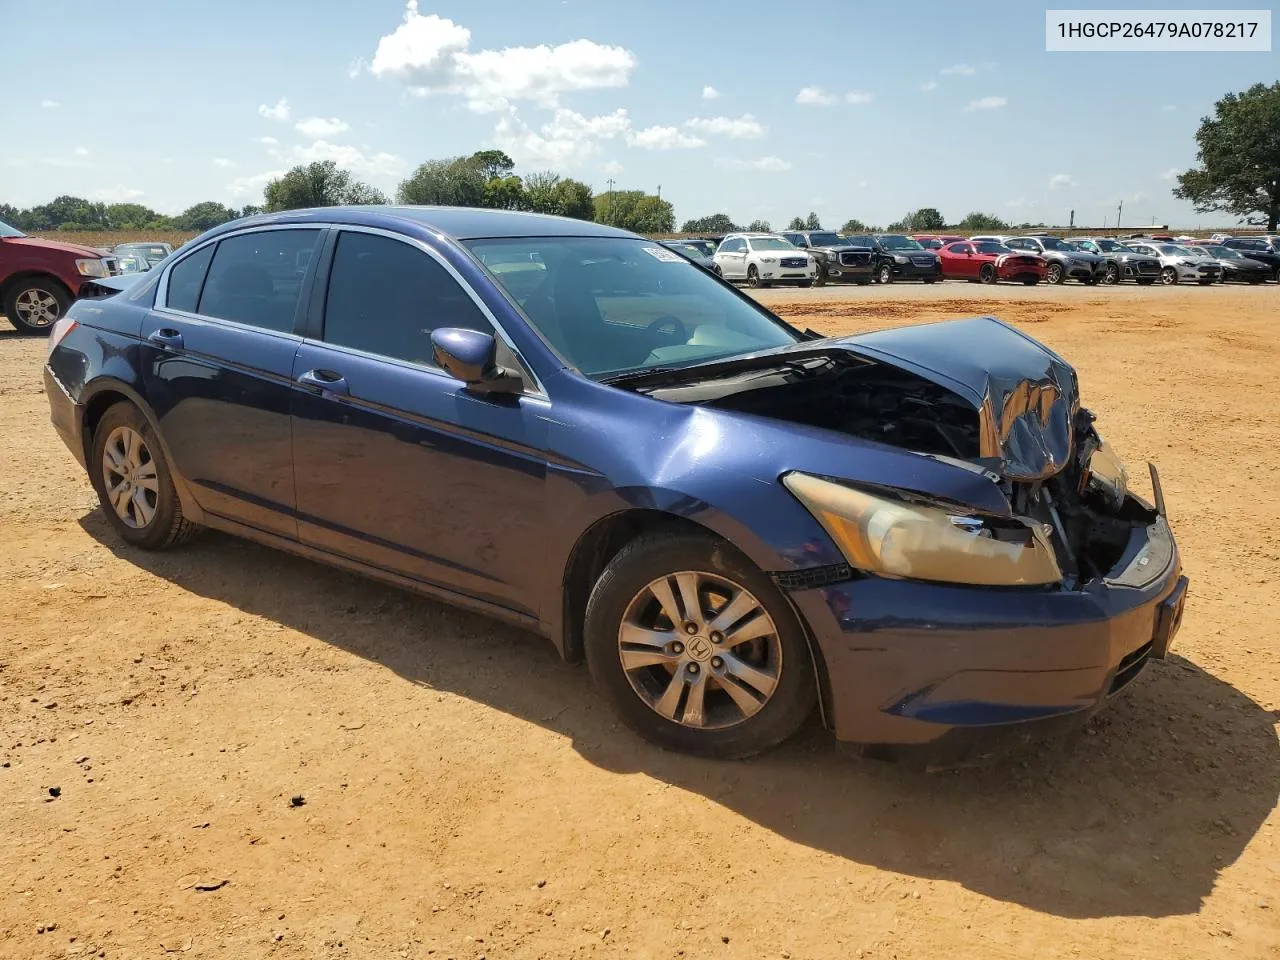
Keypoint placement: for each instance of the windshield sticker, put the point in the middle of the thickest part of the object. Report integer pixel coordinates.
(663, 254)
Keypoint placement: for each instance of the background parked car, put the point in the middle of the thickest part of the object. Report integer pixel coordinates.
(934, 241)
(1122, 262)
(834, 256)
(763, 259)
(1177, 263)
(146, 254)
(897, 257)
(1235, 265)
(693, 252)
(39, 279)
(1065, 262)
(1263, 249)
(985, 261)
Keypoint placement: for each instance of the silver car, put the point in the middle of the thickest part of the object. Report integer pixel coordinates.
(1177, 263)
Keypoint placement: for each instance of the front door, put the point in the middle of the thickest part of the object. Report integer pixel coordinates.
(218, 362)
(397, 464)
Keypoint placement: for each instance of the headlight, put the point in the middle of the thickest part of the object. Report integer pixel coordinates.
(895, 538)
(768, 259)
(899, 258)
(1106, 474)
(92, 268)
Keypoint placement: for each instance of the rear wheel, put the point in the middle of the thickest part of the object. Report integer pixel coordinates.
(133, 482)
(36, 304)
(885, 274)
(1112, 275)
(1055, 273)
(1168, 276)
(695, 648)
(988, 273)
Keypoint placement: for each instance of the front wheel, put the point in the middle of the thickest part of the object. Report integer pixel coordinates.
(1168, 276)
(1112, 275)
(753, 277)
(820, 279)
(885, 274)
(133, 482)
(696, 649)
(1055, 273)
(36, 304)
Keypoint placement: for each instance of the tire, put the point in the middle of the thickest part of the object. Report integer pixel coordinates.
(884, 274)
(1055, 274)
(1112, 275)
(155, 522)
(753, 278)
(1276, 278)
(820, 279)
(987, 274)
(34, 305)
(623, 596)
(1168, 276)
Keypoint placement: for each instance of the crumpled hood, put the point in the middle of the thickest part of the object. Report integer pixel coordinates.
(1025, 394)
(72, 248)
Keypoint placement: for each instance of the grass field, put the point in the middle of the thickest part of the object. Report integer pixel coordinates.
(109, 238)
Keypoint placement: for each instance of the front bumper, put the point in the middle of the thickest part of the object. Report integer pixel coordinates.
(776, 273)
(916, 271)
(850, 272)
(1079, 270)
(910, 662)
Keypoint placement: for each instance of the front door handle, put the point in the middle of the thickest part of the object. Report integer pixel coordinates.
(325, 381)
(166, 337)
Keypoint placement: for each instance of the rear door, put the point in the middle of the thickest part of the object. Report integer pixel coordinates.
(397, 464)
(732, 258)
(218, 355)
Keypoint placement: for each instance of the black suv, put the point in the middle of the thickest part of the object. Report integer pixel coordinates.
(895, 257)
(1263, 249)
(836, 257)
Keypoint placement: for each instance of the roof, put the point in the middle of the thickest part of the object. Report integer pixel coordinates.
(461, 223)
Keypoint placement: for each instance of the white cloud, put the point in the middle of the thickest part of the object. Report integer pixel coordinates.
(815, 97)
(117, 194)
(985, 103)
(858, 96)
(745, 127)
(1170, 174)
(430, 54)
(81, 152)
(279, 112)
(253, 185)
(569, 140)
(1060, 180)
(222, 162)
(54, 104)
(317, 127)
(382, 165)
(710, 93)
(356, 67)
(959, 70)
(269, 141)
(1168, 108)
(663, 138)
(771, 164)
(929, 85)
(613, 166)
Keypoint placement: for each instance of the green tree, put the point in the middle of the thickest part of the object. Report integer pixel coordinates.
(491, 163)
(635, 210)
(1239, 157)
(547, 192)
(505, 193)
(811, 222)
(976, 222)
(203, 216)
(129, 216)
(319, 184)
(924, 220)
(797, 223)
(854, 225)
(759, 226)
(249, 210)
(716, 223)
(899, 226)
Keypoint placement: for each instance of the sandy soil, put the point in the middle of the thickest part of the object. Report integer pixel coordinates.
(467, 795)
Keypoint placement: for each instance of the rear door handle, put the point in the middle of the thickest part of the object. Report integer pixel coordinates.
(166, 337)
(325, 381)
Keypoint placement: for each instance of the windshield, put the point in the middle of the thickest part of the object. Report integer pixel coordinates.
(988, 246)
(1109, 246)
(899, 243)
(1224, 253)
(704, 247)
(827, 239)
(615, 305)
(8, 231)
(1173, 250)
(771, 243)
(931, 243)
(1053, 243)
(688, 249)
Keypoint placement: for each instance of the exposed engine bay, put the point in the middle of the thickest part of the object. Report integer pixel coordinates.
(1083, 503)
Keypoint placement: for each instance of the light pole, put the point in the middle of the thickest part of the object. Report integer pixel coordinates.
(610, 182)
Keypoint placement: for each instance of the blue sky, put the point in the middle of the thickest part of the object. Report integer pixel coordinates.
(945, 104)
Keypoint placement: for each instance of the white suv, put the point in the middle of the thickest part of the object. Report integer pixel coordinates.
(763, 259)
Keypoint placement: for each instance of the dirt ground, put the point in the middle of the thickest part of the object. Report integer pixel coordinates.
(466, 794)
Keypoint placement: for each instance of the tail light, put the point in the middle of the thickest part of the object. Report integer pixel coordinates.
(61, 328)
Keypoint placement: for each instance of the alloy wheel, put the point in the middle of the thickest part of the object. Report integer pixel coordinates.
(37, 307)
(1168, 275)
(1055, 273)
(1112, 275)
(700, 650)
(129, 477)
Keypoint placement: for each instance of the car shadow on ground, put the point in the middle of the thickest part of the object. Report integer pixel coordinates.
(1135, 816)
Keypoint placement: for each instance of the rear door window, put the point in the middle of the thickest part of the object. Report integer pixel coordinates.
(186, 278)
(256, 278)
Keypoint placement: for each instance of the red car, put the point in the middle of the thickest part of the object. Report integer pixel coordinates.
(932, 241)
(39, 279)
(988, 262)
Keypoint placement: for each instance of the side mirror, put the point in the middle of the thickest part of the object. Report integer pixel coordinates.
(470, 356)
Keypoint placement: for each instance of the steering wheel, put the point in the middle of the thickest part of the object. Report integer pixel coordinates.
(679, 333)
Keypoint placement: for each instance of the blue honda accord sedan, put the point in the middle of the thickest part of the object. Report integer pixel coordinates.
(735, 522)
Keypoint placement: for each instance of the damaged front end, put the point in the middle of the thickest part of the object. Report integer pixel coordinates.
(975, 393)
